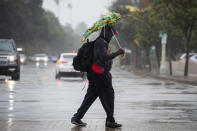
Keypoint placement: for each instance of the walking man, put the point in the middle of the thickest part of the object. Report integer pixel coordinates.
(100, 79)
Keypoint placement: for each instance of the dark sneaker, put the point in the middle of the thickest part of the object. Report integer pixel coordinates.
(77, 122)
(112, 124)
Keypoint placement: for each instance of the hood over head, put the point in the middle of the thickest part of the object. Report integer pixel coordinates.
(107, 34)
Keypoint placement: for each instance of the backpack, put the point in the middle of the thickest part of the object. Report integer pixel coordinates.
(84, 58)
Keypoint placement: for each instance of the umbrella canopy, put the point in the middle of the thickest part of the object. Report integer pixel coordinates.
(111, 18)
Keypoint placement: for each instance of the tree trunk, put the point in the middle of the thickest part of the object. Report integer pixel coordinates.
(188, 37)
(136, 59)
(158, 54)
(187, 59)
(169, 48)
(148, 59)
(170, 60)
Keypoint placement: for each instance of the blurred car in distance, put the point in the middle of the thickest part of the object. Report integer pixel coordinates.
(194, 58)
(183, 56)
(9, 59)
(40, 58)
(64, 66)
(23, 58)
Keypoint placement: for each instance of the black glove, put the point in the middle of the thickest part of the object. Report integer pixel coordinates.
(121, 51)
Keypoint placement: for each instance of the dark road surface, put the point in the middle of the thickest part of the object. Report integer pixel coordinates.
(38, 102)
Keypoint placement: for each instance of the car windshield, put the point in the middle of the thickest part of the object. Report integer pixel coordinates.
(6, 46)
(40, 55)
(22, 55)
(68, 56)
(190, 55)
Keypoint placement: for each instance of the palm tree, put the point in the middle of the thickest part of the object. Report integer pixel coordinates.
(70, 9)
(57, 3)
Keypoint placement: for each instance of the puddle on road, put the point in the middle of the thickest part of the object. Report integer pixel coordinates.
(160, 83)
(71, 80)
(28, 101)
(179, 87)
(172, 85)
(153, 84)
(169, 121)
(163, 111)
(188, 116)
(127, 77)
(150, 84)
(187, 92)
(165, 105)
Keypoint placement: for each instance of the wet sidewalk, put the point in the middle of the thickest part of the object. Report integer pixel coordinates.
(93, 125)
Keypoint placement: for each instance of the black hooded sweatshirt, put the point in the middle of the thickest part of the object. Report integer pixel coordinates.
(101, 57)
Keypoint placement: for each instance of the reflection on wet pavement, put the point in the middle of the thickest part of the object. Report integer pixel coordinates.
(141, 103)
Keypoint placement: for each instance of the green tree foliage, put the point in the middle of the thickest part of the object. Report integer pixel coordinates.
(147, 32)
(175, 17)
(181, 15)
(126, 25)
(20, 18)
(135, 25)
(33, 28)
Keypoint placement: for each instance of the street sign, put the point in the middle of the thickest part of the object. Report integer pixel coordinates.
(162, 34)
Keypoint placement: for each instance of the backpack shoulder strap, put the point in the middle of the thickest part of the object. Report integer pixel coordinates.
(95, 56)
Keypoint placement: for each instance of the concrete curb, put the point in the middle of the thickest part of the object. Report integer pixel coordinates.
(169, 78)
(184, 80)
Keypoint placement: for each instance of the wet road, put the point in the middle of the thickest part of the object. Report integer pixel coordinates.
(39, 102)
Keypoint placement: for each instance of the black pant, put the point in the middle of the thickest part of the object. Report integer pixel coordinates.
(99, 86)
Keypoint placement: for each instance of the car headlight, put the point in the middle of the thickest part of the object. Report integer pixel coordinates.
(12, 58)
(45, 59)
(37, 58)
(22, 60)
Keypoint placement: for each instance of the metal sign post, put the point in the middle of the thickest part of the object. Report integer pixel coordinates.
(163, 68)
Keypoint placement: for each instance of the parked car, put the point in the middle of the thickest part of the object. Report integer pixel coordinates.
(194, 58)
(64, 67)
(183, 56)
(23, 58)
(9, 59)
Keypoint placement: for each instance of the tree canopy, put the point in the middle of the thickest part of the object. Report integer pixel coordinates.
(144, 20)
(33, 28)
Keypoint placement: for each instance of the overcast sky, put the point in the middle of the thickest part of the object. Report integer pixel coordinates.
(87, 11)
